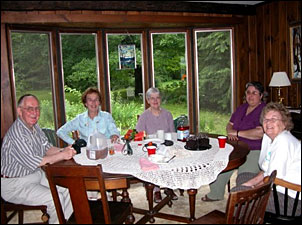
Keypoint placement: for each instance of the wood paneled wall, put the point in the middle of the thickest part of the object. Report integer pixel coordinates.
(269, 46)
(261, 41)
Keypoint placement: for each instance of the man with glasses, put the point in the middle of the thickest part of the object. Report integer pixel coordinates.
(24, 150)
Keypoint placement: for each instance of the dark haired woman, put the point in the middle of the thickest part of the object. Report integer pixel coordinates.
(244, 125)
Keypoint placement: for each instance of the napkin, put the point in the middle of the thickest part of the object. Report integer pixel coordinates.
(118, 147)
(146, 165)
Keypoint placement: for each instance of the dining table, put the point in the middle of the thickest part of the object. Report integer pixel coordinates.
(199, 167)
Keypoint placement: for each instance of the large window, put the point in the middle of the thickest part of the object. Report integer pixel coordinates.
(80, 70)
(167, 69)
(126, 79)
(170, 70)
(214, 63)
(31, 65)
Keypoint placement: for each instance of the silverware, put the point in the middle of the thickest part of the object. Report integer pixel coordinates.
(171, 158)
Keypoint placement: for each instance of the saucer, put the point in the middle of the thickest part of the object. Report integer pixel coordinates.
(158, 159)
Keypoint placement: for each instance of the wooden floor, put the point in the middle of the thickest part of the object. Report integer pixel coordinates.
(179, 207)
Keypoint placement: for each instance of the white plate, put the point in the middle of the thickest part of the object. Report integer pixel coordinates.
(158, 159)
(153, 140)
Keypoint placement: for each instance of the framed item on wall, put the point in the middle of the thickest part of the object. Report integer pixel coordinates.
(127, 57)
(295, 51)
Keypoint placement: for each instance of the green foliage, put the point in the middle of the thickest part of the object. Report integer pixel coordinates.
(174, 91)
(46, 115)
(31, 60)
(125, 113)
(84, 75)
(168, 61)
(213, 122)
(214, 65)
(73, 95)
(73, 109)
(76, 48)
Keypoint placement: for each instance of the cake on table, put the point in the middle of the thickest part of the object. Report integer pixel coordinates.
(200, 141)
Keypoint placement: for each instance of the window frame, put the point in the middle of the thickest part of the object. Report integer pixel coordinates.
(57, 80)
(232, 51)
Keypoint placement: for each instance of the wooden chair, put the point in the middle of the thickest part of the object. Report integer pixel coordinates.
(75, 135)
(19, 208)
(51, 135)
(86, 211)
(284, 215)
(246, 206)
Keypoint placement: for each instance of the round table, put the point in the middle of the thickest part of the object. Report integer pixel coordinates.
(122, 181)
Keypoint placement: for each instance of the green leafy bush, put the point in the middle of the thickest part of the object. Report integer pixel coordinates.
(125, 113)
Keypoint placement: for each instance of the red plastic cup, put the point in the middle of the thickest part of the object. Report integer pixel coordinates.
(151, 150)
(222, 141)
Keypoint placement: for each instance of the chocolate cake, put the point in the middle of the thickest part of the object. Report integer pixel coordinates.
(203, 140)
(191, 142)
(200, 141)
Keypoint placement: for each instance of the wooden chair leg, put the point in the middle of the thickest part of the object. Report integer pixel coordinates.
(114, 195)
(181, 192)
(21, 216)
(45, 216)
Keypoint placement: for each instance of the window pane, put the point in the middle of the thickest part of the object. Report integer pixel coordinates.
(215, 80)
(80, 70)
(169, 57)
(31, 60)
(126, 82)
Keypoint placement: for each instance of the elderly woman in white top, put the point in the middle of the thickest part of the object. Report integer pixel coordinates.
(280, 151)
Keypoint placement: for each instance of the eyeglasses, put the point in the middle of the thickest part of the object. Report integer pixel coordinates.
(273, 120)
(31, 109)
(153, 99)
(252, 93)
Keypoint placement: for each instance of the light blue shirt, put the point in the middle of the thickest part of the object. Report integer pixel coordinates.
(103, 123)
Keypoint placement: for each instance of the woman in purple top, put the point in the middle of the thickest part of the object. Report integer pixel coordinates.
(153, 119)
(244, 125)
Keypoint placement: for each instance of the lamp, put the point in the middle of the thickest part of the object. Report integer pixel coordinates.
(279, 80)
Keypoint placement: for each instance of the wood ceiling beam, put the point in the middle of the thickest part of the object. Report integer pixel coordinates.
(159, 6)
(119, 18)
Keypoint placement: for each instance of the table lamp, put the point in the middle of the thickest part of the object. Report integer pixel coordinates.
(279, 80)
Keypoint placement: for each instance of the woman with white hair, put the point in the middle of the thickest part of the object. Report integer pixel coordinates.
(153, 119)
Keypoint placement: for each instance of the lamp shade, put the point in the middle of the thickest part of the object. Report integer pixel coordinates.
(279, 79)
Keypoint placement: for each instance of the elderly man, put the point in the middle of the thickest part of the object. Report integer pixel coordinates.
(24, 150)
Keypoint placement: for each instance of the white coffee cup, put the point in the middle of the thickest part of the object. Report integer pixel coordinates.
(168, 136)
(161, 134)
(174, 136)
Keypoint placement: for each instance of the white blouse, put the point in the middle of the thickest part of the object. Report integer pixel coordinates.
(284, 155)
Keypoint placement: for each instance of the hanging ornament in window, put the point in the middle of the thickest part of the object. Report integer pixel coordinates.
(127, 56)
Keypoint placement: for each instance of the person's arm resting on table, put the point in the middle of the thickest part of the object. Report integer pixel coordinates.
(253, 134)
(55, 154)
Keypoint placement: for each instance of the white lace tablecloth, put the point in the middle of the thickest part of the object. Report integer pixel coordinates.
(188, 170)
